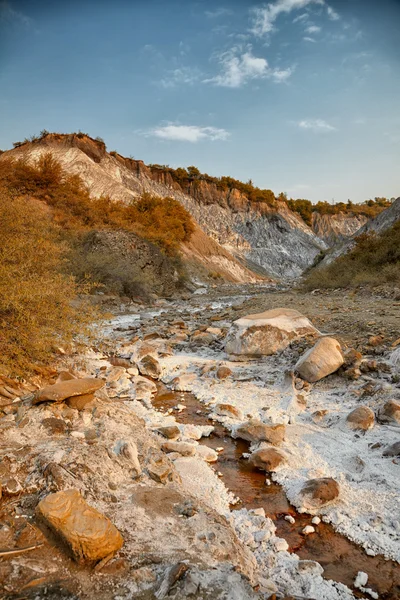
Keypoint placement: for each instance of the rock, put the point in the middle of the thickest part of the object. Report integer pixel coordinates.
(115, 374)
(183, 448)
(171, 432)
(65, 376)
(130, 452)
(89, 534)
(202, 338)
(389, 413)
(352, 358)
(228, 410)
(393, 450)
(256, 431)
(144, 388)
(54, 425)
(65, 389)
(206, 453)
(10, 486)
(267, 333)
(323, 359)
(81, 402)
(149, 366)
(353, 373)
(319, 492)
(160, 469)
(266, 459)
(361, 418)
(376, 340)
(223, 372)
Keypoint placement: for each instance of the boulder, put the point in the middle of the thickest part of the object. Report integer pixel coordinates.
(89, 534)
(223, 372)
(323, 359)
(80, 402)
(319, 492)
(267, 459)
(160, 469)
(361, 418)
(389, 413)
(207, 454)
(268, 332)
(183, 448)
(392, 450)
(256, 431)
(228, 410)
(171, 432)
(65, 389)
(149, 366)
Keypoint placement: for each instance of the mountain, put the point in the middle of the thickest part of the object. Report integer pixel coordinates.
(235, 237)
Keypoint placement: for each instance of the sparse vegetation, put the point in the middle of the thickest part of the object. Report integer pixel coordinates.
(374, 260)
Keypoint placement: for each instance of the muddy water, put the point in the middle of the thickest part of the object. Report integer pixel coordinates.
(340, 558)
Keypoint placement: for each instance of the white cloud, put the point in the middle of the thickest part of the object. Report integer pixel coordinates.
(265, 17)
(332, 14)
(187, 133)
(238, 68)
(313, 29)
(302, 17)
(181, 75)
(309, 39)
(218, 12)
(316, 125)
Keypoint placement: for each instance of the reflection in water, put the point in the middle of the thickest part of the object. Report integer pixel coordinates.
(340, 558)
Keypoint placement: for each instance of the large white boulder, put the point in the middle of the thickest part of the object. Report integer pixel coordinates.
(268, 332)
(323, 359)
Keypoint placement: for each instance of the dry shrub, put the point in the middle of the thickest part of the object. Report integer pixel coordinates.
(374, 260)
(36, 299)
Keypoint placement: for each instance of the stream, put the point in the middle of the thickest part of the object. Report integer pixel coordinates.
(340, 558)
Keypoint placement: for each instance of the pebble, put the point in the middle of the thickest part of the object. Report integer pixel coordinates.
(219, 449)
(78, 434)
(316, 521)
(290, 519)
(308, 529)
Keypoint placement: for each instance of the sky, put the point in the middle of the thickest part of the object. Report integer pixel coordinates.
(300, 96)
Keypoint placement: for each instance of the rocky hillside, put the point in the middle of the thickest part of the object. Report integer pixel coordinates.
(272, 237)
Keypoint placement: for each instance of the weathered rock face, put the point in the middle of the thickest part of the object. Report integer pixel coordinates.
(361, 418)
(336, 228)
(89, 534)
(266, 333)
(267, 459)
(390, 413)
(65, 389)
(255, 431)
(319, 492)
(323, 359)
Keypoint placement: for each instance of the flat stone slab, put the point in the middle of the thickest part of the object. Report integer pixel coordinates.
(66, 389)
(89, 534)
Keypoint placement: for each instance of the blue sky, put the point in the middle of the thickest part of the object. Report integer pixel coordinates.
(301, 96)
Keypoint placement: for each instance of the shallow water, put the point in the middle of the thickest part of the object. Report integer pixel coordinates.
(340, 558)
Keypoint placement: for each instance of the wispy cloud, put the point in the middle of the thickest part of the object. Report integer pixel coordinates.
(332, 14)
(316, 125)
(187, 133)
(313, 29)
(263, 18)
(309, 39)
(180, 76)
(238, 67)
(9, 14)
(302, 18)
(218, 12)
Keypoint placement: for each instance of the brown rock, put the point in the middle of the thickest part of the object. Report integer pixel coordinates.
(149, 366)
(323, 359)
(361, 418)
(54, 425)
(183, 448)
(389, 413)
(256, 431)
(65, 389)
(90, 535)
(266, 459)
(171, 432)
(228, 410)
(318, 492)
(223, 372)
(160, 469)
(352, 358)
(353, 373)
(65, 376)
(376, 340)
(80, 402)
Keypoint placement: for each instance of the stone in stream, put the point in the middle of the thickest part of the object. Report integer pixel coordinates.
(389, 413)
(228, 410)
(323, 359)
(256, 431)
(89, 534)
(361, 418)
(319, 492)
(267, 459)
(393, 450)
(149, 366)
(267, 333)
(65, 389)
(183, 448)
